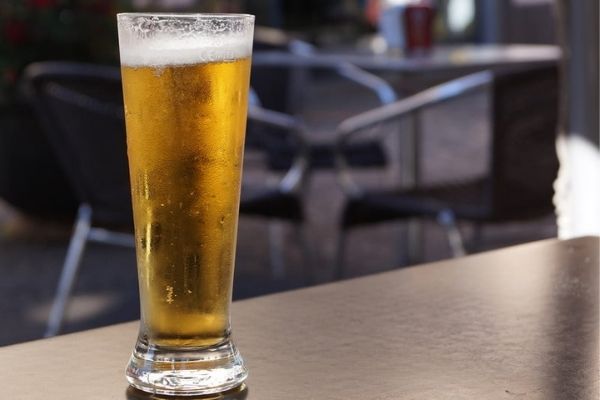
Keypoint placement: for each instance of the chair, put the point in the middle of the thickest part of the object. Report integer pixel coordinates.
(280, 199)
(522, 160)
(81, 108)
(281, 87)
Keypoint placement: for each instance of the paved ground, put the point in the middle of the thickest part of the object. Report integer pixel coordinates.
(106, 292)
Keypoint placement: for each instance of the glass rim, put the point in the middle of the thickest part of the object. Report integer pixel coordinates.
(165, 15)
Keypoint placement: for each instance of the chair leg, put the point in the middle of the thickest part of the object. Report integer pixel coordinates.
(477, 237)
(309, 255)
(276, 256)
(69, 270)
(447, 220)
(414, 242)
(339, 260)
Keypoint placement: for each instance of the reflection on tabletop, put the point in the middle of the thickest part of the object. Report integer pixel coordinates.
(239, 393)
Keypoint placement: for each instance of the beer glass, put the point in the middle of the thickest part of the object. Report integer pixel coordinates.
(185, 88)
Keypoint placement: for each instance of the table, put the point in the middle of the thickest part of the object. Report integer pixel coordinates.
(416, 72)
(518, 323)
(460, 58)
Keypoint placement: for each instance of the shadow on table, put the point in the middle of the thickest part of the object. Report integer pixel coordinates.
(239, 393)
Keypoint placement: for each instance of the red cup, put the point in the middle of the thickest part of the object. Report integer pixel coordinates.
(418, 26)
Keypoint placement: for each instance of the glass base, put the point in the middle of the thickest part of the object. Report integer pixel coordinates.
(185, 371)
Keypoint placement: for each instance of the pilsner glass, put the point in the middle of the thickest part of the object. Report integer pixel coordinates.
(185, 88)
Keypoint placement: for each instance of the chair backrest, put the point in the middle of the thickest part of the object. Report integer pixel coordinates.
(524, 163)
(272, 83)
(81, 108)
(277, 88)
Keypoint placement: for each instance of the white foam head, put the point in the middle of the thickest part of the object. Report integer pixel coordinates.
(158, 40)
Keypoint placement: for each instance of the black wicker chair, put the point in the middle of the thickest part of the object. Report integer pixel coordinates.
(523, 161)
(81, 107)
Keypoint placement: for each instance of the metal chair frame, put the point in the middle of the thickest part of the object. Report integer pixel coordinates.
(301, 58)
(409, 107)
(292, 182)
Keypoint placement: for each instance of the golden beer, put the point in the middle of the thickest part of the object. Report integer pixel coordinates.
(185, 89)
(185, 139)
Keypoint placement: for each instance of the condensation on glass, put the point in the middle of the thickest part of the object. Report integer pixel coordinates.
(185, 88)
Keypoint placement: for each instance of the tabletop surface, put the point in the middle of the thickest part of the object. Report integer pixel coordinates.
(517, 323)
(440, 58)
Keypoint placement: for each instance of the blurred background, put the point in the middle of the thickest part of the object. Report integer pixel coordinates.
(501, 158)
